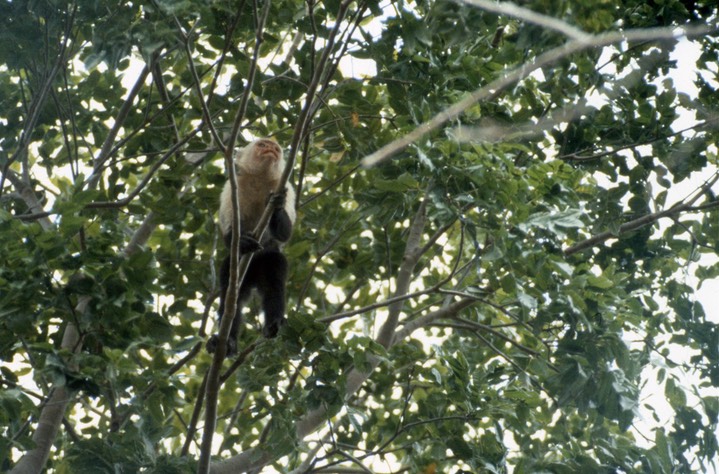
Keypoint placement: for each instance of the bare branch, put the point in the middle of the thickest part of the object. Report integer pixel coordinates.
(146, 179)
(192, 426)
(228, 45)
(162, 91)
(398, 298)
(309, 461)
(31, 201)
(580, 157)
(39, 100)
(320, 255)
(255, 458)
(53, 411)
(330, 186)
(521, 72)
(206, 116)
(530, 16)
(412, 253)
(241, 357)
(238, 266)
(449, 311)
(648, 219)
(122, 114)
(475, 326)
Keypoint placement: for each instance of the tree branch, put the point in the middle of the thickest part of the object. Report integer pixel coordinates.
(448, 311)
(39, 100)
(577, 157)
(320, 255)
(648, 219)
(122, 114)
(412, 253)
(146, 179)
(238, 266)
(53, 411)
(530, 16)
(407, 296)
(256, 457)
(207, 117)
(521, 72)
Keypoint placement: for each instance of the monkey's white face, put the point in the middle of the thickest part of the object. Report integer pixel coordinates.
(261, 156)
(267, 150)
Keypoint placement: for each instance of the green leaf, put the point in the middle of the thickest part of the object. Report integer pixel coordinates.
(599, 282)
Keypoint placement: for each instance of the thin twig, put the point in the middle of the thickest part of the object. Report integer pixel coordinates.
(206, 117)
(578, 157)
(648, 219)
(238, 266)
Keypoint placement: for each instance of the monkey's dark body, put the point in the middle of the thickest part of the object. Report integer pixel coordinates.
(267, 273)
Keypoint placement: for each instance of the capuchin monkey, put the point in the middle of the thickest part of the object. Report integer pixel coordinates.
(259, 168)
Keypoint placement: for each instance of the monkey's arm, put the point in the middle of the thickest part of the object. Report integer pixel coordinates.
(280, 223)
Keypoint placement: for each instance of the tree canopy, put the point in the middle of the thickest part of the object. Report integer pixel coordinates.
(504, 213)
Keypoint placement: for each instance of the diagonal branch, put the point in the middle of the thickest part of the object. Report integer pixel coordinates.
(550, 57)
(579, 157)
(648, 219)
(37, 106)
(255, 458)
(38, 103)
(146, 179)
(206, 116)
(105, 150)
(53, 411)
(530, 16)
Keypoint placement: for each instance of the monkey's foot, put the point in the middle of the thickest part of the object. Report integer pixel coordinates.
(271, 328)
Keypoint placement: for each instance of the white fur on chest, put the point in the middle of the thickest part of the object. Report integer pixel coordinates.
(254, 191)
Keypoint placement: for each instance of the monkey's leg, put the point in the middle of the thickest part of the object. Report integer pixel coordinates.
(272, 274)
(224, 284)
(244, 293)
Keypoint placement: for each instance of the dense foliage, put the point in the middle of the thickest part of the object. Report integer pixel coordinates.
(513, 291)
